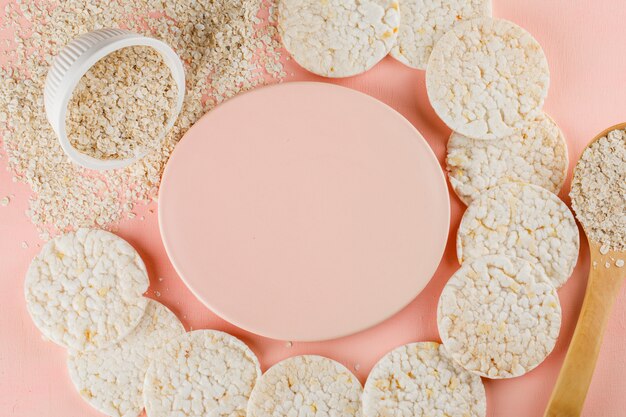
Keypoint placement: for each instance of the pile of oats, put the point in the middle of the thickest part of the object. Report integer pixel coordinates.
(226, 48)
(599, 191)
(486, 78)
(121, 106)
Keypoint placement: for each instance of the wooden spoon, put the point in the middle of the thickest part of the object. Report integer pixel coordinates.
(603, 288)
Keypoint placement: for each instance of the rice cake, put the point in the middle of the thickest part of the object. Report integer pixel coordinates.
(201, 373)
(84, 290)
(421, 380)
(338, 38)
(425, 21)
(499, 317)
(535, 155)
(524, 221)
(111, 379)
(486, 77)
(306, 386)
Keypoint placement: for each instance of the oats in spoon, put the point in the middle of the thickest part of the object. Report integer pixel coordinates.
(599, 191)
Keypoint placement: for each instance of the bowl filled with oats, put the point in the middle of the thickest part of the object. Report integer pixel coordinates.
(112, 95)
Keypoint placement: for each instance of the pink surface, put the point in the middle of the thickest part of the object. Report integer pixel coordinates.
(290, 232)
(584, 42)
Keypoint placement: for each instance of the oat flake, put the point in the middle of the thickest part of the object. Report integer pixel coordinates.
(226, 49)
(599, 191)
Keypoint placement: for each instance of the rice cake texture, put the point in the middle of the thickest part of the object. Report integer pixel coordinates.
(487, 77)
(524, 221)
(421, 380)
(111, 379)
(338, 38)
(599, 191)
(84, 290)
(536, 155)
(306, 386)
(424, 22)
(499, 317)
(201, 373)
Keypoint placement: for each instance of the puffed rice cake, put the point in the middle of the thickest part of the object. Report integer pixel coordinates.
(84, 290)
(499, 317)
(421, 380)
(201, 373)
(306, 386)
(524, 221)
(111, 379)
(425, 21)
(486, 77)
(338, 38)
(536, 155)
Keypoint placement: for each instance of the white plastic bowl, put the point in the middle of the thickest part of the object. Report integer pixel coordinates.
(72, 64)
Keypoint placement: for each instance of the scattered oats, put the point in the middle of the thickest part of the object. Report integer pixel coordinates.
(111, 379)
(306, 386)
(607, 264)
(423, 23)
(524, 221)
(201, 373)
(142, 218)
(421, 380)
(595, 264)
(599, 190)
(157, 293)
(619, 263)
(121, 106)
(5, 201)
(24, 245)
(338, 38)
(289, 344)
(84, 290)
(160, 279)
(486, 77)
(604, 249)
(234, 52)
(499, 317)
(131, 215)
(535, 155)
(357, 366)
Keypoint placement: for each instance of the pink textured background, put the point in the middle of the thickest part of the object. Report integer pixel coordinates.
(584, 41)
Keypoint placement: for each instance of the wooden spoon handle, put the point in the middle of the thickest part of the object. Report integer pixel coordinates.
(573, 382)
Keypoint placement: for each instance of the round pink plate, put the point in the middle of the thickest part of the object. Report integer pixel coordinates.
(304, 211)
